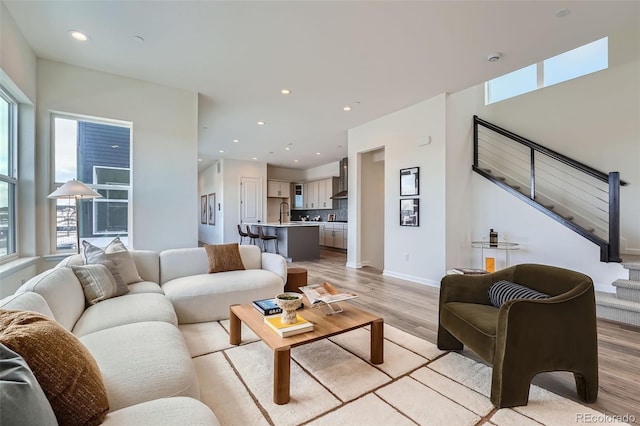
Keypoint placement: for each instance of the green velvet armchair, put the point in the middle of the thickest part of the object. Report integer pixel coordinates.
(524, 337)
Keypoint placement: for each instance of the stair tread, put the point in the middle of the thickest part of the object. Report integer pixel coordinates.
(621, 282)
(610, 300)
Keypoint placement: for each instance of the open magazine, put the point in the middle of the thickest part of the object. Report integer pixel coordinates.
(325, 292)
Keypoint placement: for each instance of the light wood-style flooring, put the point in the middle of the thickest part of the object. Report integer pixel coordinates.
(413, 308)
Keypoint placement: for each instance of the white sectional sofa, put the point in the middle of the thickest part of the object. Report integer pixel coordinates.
(145, 364)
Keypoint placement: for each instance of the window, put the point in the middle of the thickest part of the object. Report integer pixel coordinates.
(98, 154)
(8, 174)
(575, 63)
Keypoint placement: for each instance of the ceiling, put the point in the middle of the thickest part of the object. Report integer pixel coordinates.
(377, 57)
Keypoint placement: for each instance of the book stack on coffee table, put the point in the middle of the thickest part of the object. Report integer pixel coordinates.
(285, 330)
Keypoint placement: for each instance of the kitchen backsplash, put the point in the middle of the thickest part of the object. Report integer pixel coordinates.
(341, 213)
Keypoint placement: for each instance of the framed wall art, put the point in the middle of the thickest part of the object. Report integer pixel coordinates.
(410, 181)
(211, 208)
(203, 209)
(410, 212)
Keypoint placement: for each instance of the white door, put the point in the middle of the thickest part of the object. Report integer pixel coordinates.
(250, 200)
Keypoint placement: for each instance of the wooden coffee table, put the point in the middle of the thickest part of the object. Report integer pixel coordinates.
(323, 326)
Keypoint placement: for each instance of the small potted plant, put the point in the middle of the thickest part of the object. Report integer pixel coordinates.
(288, 302)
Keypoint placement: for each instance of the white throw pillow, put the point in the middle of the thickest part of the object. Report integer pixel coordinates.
(125, 268)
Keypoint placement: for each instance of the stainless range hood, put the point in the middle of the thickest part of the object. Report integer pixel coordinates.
(343, 183)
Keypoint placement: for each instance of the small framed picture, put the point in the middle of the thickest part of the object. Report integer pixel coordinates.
(410, 212)
(410, 181)
(203, 209)
(211, 209)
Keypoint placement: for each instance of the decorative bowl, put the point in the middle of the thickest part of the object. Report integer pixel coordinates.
(288, 302)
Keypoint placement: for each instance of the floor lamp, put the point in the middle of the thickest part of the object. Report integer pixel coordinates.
(76, 190)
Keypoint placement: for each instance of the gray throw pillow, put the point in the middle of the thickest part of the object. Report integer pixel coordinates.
(97, 282)
(503, 291)
(122, 266)
(23, 400)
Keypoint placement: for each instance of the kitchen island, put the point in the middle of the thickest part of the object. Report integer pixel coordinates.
(296, 240)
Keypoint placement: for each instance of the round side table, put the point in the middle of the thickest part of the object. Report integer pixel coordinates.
(296, 277)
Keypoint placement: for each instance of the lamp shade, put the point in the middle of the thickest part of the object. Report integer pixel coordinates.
(74, 189)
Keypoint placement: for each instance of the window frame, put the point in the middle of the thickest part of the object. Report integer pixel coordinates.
(12, 177)
(53, 214)
(540, 74)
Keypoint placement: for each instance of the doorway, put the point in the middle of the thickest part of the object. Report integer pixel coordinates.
(372, 207)
(250, 200)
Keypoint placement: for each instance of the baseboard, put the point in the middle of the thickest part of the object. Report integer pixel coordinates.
(411, 278)
(356, 265)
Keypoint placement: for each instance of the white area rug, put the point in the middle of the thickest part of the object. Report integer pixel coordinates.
(333, 383)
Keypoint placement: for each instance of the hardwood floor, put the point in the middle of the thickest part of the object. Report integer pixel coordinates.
(413, 308)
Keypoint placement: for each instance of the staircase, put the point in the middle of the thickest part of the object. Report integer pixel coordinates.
(583, 199)
(624, 305)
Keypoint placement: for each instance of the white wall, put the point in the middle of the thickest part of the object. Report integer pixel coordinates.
(414, 253)
(594, 119)
(322, 172)
(210, 181)
(163, 155)
(233, 171)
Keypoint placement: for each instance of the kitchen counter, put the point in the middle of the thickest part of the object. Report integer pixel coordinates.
(296, 240)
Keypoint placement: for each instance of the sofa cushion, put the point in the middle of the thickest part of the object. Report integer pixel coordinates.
(97, 282)
(27, 301)
(143, 361)
(93, 255)
(474, 324)
(207, 297)
(164, 412)
(223, 257)
(503, 291)
(145, 287)
(64, 368)
(23, 401)
(127, 309)
(116, 252)
(63, 293)
(184, 262)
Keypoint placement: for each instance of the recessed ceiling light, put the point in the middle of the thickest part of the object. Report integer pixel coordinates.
(286, 148)
(78, 35)
(347, 108)
(260, 123)
(285, 91)
(236, 141)
(317, 153)
(255, 158)
(221, 151)
(199, 159)
(295, 161)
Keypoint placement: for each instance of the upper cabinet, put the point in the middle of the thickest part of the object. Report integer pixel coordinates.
(278, 189)
(317, 194)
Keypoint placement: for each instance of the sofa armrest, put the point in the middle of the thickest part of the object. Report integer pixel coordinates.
(276, 264)
(471, 288)
(547, 327)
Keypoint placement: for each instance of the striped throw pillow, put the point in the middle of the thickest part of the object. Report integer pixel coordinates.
(503, 291)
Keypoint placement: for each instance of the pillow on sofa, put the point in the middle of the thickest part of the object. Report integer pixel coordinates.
(116, 252)
(97, 282)
(23, 401)
(224, 257)
(64, 368)
(503, 291)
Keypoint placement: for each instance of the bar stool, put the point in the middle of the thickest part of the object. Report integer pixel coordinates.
(252, 236)
(242, 234)
(264, 238)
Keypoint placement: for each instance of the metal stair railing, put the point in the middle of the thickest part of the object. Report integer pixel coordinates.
(580, 197)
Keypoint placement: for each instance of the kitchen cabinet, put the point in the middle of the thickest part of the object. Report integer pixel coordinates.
(310, 195)
(334, 235)
(317, 194)
(278, 189)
